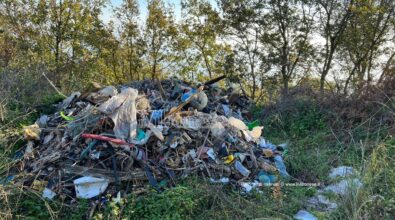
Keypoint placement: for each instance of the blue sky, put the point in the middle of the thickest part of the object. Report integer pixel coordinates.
(175, 4)
(108, 14)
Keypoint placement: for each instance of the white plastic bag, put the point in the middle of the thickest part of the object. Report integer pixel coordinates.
(88, 187)
(122, 110)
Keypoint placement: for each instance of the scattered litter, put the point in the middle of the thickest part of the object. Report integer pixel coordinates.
(188, 95)
(67, 102)
(283, 146)
(200, 101)
(344, 186)
(108, 91)
(321, 202)
(281, 166)
(265, 144)
(157, 114)
(65, 117)
(156, 131)
(32, 132)
(244, 171)
(304, 215)
(211, 154)
(229, 159)
(29, 149)
(226, 109)
(191, 123)
(118, 199)
(341, 171)
(249, 186)
(266, 178)
(48, 138)
(217, 130)
(256, 132)
(49, 194)
(122, 110)
(42, 121)
(253, 125)
(221, 180)
(88, 187)
(237, 123)
(103, 94)
(120, 139)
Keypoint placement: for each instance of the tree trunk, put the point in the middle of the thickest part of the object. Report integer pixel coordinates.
(285, 85)
(153, 74)
(322, 81)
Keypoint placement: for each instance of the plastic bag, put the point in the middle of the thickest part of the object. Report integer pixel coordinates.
(122, 110)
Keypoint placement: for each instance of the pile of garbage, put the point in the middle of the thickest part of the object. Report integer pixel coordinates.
(148, 134)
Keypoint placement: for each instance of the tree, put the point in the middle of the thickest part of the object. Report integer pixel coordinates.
(160, 32)
(271, 36)
(19, 32)
(334, 18)
(289, 24)
(244, 28)
(202, 25)
(365, 37)
(130, 38)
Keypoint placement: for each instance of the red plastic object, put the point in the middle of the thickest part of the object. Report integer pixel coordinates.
(104, 138)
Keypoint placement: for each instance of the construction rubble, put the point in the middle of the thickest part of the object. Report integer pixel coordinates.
(148, 134)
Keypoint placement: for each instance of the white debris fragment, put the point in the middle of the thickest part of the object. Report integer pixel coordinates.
(49, 194)
(211, 153)
(341, 171)
(88, 187)
(217, 129)
(344, 186)
(122, 110)
(321, 202)
(237, 123)
(29, 149)
(42, 121)
(48, 138)
(248, 186)
(221, 180)
(67, 101)
(304, 215)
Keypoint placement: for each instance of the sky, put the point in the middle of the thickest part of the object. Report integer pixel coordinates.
(175, 4)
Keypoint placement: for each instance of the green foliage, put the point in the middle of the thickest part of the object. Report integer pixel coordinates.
(48, 101)
(196, 199)
(199, 30)
(376, 198)
(296, 119)
(306, 156)
(130, 46)
(175, 203)
(160, 33)
(30, 205)
(16, 111)
(32, 209)
(80, 211)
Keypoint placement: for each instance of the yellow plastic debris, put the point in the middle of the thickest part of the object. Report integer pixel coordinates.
(229, 159)
(267, 152)
(32, 132)
(39, 185)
